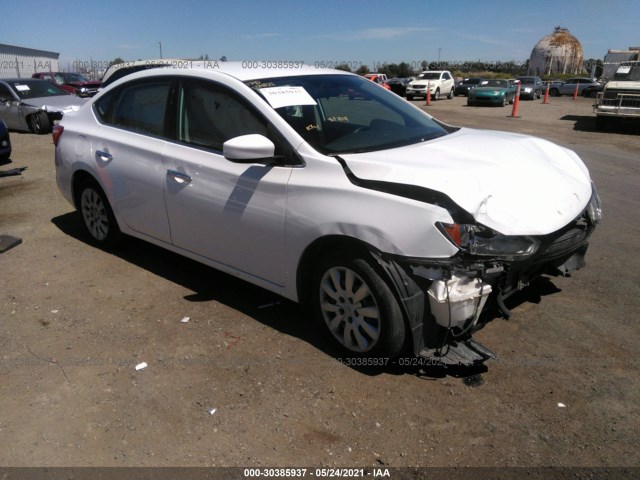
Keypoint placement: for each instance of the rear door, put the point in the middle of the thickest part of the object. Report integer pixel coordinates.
(128, 154)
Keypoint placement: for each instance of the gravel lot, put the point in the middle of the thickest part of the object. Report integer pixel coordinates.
(75, 320)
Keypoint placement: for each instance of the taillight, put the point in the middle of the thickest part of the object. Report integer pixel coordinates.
(56, 133)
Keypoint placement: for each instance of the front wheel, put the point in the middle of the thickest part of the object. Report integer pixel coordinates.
(436, 95)
(356, 308)
(97, 216)
(554, 92)
(451, 94)
(39, 123)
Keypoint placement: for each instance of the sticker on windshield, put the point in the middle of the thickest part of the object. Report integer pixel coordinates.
(624, 69)
(287, 96)
(22, 88)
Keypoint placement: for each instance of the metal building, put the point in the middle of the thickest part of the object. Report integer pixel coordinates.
(556, 53)
(23, 62)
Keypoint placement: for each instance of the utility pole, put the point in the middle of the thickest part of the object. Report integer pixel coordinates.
(160, 43)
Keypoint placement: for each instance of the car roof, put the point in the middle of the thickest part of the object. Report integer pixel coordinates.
(239, 70)
(13, 80)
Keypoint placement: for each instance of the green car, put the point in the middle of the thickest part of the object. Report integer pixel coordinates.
(492, 92)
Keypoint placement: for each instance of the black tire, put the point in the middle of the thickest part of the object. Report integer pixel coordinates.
(451, 95)
(436, 95)
(504, 101)
(39, 123)
(347, 295)
(409, 97)
(96, 214)
(554, 92)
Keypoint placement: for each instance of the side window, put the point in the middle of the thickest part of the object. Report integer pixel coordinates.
(5, 94)
(209, 115)
(139, 107)
(447, 76)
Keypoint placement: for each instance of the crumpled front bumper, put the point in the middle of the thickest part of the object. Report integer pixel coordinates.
(446, 300)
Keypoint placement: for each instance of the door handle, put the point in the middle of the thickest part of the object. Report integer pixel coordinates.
(103, 156)
(180, 178)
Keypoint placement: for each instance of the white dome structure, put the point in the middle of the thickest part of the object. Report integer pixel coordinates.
(559, 52)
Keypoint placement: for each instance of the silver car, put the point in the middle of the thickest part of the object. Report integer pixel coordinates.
(568, 87)
(33, 105)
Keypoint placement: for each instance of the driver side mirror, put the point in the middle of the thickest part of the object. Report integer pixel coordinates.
(248, 148)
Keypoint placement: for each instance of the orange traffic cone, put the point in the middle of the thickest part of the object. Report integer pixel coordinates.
(546, 93)
(516, 103)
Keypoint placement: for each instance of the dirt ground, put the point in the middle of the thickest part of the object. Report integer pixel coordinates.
(76, 320)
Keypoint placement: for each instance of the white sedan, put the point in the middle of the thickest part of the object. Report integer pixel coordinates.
(404, 234)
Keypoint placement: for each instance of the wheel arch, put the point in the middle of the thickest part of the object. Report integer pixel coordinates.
(317, 249)
(79, 176)
(410, 297)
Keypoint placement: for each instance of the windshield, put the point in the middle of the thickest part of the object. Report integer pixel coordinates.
(429, 76)
(69, 78)
(629, 73)
(340, 114)
(35, 89)
(495, 83)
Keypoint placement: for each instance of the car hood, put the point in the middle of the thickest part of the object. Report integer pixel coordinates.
(515, 184)
(623, 85)
(88, 83)
(58, 103)
(424, 82)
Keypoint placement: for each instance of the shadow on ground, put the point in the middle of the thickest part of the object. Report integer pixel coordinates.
(616, 125)
(285, 316)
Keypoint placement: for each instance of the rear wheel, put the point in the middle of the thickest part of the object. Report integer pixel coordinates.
(451, 94)
(96, 213)
(356, 308)
(554, 92)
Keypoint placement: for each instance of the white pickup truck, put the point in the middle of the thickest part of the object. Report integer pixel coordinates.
(620, 97)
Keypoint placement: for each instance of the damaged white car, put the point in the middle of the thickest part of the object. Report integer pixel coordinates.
(398, 230)
(34, 105)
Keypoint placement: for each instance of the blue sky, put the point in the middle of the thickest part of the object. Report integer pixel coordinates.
(356, 31)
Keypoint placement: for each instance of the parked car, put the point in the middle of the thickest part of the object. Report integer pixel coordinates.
(530, 87)
(568, 87)
(440, 82)
(379, 78)
(33, 105)
(492, 92)
(466, 84)
(398, 85)
(397, 230)
(592, 91)
(5, 142)
(73, 83)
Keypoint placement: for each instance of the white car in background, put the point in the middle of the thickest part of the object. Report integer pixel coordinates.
(439, 83)
(402, 233)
